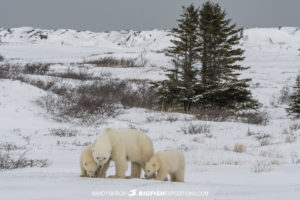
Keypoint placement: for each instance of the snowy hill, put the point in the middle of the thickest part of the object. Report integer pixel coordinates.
(155, 40)
(267, 167)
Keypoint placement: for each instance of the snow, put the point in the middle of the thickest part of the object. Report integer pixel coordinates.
(273, 56)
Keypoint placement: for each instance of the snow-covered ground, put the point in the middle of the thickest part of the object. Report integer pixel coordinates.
(212, 165)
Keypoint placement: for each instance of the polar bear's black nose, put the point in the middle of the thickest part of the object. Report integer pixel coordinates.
(100, 166)
(145, 176)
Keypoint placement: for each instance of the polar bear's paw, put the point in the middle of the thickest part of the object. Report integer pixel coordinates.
(114, 176)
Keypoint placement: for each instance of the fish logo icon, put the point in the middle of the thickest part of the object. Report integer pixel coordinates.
(132, 193)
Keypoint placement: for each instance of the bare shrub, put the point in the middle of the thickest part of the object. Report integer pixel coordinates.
(274, 162)
(213, 114)
(131, 126)
(7, 161)
(263, 139)
(27, 139)
(171, 118)
(270, 153)
(80, 144)
(261, 166)
(84, 103)
(226, 148)
(4, 71)
(143, 96)
(295, 126)
(113, 62)
(71, 74)
(287, 132)
(2, 58)
(199, 128)
(10, 147)
(10, 71)
(251, 133)
(239, 148)
(274, 101)
(61, 143)
(93, 100)
(142, 58)
(208, 135)
(290, 139)
(198, 140)
(63, 132)
(285, 95)
(36, 68)
(260, 118)
(153, 118)
(294, 158)
(184, 148)
(42, 84)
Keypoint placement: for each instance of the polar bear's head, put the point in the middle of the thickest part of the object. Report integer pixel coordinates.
(152, 166)
(101, 157)
(91, 168)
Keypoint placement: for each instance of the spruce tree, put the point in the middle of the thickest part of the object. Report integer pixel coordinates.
(294, 106)
(220, 58)
(179, 89)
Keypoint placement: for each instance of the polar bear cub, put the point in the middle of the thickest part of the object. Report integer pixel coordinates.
(122, 146)
(88, 166)
(166, 162)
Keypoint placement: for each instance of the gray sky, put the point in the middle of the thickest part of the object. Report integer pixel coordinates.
(102, 15)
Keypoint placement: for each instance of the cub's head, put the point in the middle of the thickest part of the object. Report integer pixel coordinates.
(152, 166)
(91, 168)
(101, 157)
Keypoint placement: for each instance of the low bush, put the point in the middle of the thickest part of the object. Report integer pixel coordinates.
(259, 118)
(71, 74)
(290, 139)
(2, 58)
(7, 161)
(295, 126)
(261, 166)
(36, 68)
(96, 100)
(239, 148)
(219, 115)
(285, 95)
(63, 132)
(4, 71)
(263, 139)
(199, 128)
(113, 62)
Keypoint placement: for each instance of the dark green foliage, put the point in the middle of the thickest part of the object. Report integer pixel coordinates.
(294, 106)
(2, 58)
(179, 89)
(219, 57)
(205, 37)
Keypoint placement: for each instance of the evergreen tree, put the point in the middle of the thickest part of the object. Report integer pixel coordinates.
(220, 59)
(294, 106)
(178, 90)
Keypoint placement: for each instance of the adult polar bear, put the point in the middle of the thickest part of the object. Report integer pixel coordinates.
(122, 146)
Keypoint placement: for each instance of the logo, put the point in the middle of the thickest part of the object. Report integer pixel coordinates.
(132, 193)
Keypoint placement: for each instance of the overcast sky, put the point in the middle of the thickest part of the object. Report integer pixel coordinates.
(102, 15)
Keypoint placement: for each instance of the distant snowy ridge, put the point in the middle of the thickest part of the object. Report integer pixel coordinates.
(155, 40)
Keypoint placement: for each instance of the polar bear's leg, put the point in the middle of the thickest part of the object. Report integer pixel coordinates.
(135, 170)
(121, 168)
(83, 172)
(173, 177)
(179, 175)
(162, 175)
